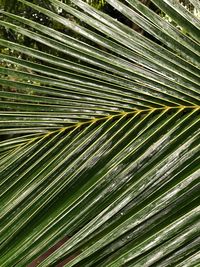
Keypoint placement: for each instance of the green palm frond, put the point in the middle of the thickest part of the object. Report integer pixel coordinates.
(100, 138)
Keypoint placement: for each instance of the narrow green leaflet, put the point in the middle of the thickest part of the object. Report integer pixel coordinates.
(100, 136)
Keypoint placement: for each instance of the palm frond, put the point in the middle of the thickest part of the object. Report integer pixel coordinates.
(100, 138)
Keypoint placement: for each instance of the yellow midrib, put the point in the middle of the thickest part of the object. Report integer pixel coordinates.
(78, 124)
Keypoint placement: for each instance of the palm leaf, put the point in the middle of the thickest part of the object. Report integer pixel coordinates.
(101, 145)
